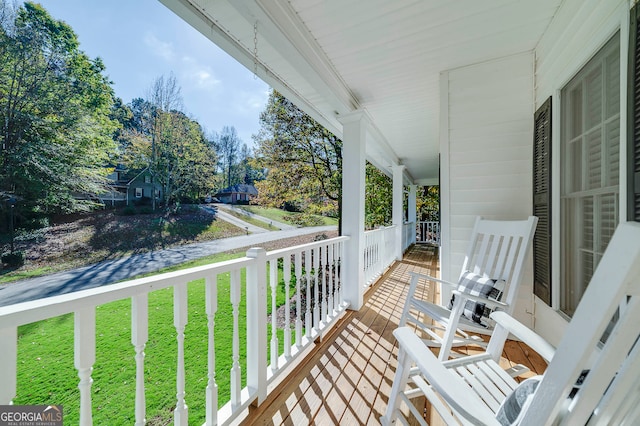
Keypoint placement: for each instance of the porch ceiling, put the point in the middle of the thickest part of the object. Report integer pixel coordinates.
(332, 57)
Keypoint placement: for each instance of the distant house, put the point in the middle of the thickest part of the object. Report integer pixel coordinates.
(237, 194)
(130, 186)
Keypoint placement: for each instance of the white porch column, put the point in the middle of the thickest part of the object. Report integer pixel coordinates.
(353, 188)
(398, 208)
(413, 189)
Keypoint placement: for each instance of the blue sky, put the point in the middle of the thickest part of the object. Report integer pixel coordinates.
(140, 40)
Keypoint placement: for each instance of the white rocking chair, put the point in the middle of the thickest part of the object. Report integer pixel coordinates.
(592, 378)
(489, 280)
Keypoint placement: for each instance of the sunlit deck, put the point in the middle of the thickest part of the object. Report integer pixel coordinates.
(347, 379)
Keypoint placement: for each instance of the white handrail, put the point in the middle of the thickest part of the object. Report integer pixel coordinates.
(314, 269)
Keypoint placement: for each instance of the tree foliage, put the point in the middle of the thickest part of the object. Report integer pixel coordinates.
(158, 135)
(55, 105)
(378, 201)
(303, 160)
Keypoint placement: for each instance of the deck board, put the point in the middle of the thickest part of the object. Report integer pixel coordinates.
(348, 378)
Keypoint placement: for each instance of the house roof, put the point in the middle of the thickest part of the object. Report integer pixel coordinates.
(334, 57)
(239, 189)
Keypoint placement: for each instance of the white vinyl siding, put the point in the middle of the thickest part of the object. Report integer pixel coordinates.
(590, 159)
(489, 110)
(578, 31)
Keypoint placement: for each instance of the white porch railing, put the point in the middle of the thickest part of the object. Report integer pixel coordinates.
(428, 233)
(408, 234)
(314, 271)
(379, 252)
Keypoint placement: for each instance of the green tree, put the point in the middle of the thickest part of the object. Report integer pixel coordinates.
(55, 105)
(378, 205)
(184, 165)
(428, 203)
(159, 136)
(303, 159)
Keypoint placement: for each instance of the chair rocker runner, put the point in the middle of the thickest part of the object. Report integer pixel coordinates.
(489, 280)
(591, 378)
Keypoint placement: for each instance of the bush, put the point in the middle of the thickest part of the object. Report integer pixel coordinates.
(128, 211)
(304, 220)
(36, 223)
(145, 210)
(14, 259)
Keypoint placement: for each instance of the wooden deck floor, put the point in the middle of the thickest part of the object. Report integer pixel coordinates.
(347, 380)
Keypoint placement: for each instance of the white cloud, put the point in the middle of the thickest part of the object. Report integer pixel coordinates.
(246, 102)
(198, 75)
(160, 48)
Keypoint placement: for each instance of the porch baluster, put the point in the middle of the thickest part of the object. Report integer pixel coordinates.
(85, 356)
(298, 261)
(323, 271)
(9, 361)
(331, 275)
(139, 337)
(273, 282)
(307, 313)
(286, 265)
(236, 385)
(181, 413)
(339, 274)
(316, 294)
(211, 307)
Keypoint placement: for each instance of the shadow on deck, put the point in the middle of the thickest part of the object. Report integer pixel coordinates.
(347, 379)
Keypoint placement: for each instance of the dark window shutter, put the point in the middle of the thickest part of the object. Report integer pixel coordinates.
(633, 111)
(542, 202)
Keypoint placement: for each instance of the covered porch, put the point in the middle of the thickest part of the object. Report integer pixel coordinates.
(347, 378)
(325, 365)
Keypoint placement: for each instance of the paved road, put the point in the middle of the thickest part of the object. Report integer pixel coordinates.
(112, 271)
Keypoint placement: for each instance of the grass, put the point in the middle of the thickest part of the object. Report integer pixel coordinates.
(46, 373)
(280, 215)
(251, 220)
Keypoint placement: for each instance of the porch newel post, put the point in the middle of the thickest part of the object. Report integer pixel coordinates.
(413, 214)
(257, 323)
(398, 212)
(353, 184)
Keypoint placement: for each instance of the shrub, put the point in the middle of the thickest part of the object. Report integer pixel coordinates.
(145, 210)
(303, 220)
(14, 259)
(128, 211)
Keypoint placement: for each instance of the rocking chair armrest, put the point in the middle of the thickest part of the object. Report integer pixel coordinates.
(430, 278)
(491, 303)
(545, 349)
(450, 386)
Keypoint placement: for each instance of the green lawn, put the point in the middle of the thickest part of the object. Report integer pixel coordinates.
(280, 215)
(251, 220)
(46, 374)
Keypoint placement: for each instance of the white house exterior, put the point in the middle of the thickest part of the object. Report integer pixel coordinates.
(513, 107)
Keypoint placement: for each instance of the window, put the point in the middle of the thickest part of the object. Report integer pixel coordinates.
(138, 192)
(147, 179)
(590, 164)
